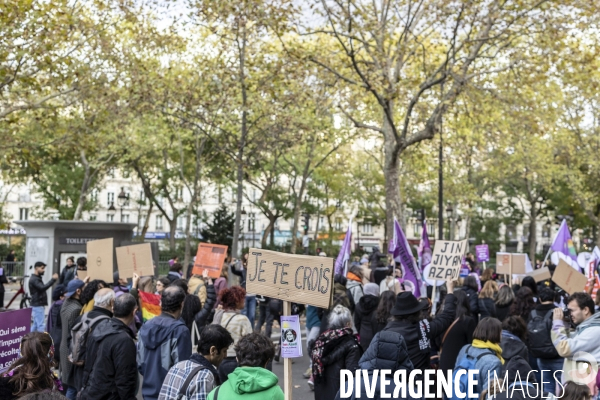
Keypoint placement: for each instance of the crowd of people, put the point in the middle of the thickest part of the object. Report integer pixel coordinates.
(209, 343)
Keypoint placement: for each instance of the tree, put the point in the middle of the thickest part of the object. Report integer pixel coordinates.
(220, 230)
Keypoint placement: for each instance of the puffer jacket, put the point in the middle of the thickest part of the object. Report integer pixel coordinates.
(365, 319)
(487, 308)
(340, 354)
(512, 346)
(37, 290)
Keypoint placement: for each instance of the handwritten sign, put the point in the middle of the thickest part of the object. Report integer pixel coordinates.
(483, 253)
(568, 279)
(541, 274)
(291, 277)
(13, 326)
(503, 263)
(291, 337)
(100, 259)
(135, 259)
(446, 260)
(210, 257)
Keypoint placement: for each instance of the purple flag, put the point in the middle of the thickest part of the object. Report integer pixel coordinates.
(345, 251)
(563, 242)
(424, 248)
(402, 254)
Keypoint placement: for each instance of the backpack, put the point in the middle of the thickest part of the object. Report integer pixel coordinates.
(79, 335)
(538, 330)
(181, 394)
(468, 362)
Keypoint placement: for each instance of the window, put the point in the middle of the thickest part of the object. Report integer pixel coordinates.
(94, 196)
(322, 223)
(125, 218)
(23, 214)
(254, 195)
(416, 229)
(338, 224)
(110, 198)
(110, 217)
(126, 173)
(431, 230)
(181, 222)
(367, 227)
(93, 217)
(159, 222)
(251, 222)
(142, 197)
(111, 173)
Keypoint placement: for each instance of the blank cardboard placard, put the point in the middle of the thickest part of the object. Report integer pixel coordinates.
(568, 278)
(519, 264)
(210, 257)
(82, 274)
(540, 274)
(503, 261)
(100, 259)
(291, 277)
(135, 259)
(446, 260)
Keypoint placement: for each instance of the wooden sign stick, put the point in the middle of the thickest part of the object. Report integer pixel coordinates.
(287, 362)
(433, 307)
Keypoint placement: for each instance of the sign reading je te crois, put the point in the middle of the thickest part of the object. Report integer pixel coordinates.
(447, 259)
(290, 277)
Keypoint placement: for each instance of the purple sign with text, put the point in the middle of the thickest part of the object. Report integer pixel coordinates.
(483, 253)
(13, 326)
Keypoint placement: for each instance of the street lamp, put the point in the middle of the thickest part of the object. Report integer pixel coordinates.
(122, 201)
(449, 211)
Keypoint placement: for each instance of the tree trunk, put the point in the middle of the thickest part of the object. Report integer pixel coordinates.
(532, 233)
(146, 222)
(265, 235)
(85, 187)
(298, 208)
(272, 239)
(391, 172)
(188, 239)
(172, 229)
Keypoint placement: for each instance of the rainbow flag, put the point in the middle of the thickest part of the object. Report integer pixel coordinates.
(150, 305)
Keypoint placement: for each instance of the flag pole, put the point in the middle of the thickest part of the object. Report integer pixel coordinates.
(564, 221)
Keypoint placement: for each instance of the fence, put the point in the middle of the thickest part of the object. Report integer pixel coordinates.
(13, 268)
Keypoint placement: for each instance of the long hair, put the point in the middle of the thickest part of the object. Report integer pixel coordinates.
(489, 290)
(32, 371)
(90, 290)
(386, 303)
(471, 282)
(505, 296)
(523, 303)
(463, 307)
(146, 284)
(191, 306)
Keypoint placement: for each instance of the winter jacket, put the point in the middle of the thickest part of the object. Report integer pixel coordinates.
(418, 335)
(202, 316)
(340, 297)
(241, 273)
(112, 373)
(220, 284)
(487, 363)
(201, 384)
(312, 317)
(365, 319)
(544, 346)
(379, 274)
(343, 353)
(236, 323)
(162, 342)
(196, 283)
(519, 388)
(512, 346)
(67, 275)
(69, 312)
(355, 288)
(54, 326)
(584, 339)
(387, 352)
(173, 276)
(487, 308)
(37, 290)
(249, 383)
(375, 258)
(503, 312)
(461, 334)
(473, 301)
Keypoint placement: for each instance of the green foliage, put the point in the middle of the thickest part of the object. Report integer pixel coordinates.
(220, 229)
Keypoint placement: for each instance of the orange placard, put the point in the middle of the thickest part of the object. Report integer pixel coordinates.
(210, 257)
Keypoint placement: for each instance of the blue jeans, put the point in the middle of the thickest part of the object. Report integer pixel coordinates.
(71, 393)
(552, 365)
(250, 308)
(38, 319)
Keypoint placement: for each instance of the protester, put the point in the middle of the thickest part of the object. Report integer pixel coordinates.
(487, 307)
(393, 281)
(540, 340)
(487, 275)
(471, 288)
(197, 287)
(529, 282)
(335, 349)
(53, 324)
(264, 315)
(32, 371)
(175, 272)
(341, 296)
(459, 334)
(120, 285)
(173, 260)
(163, 341)
(39, 298)
(521, 383)
(523, 304)
(354, 283)
(576, 391)
(69, 311)
(236, 323)
(88, 293)
(201, 367)
(69, 272)
(380, 273)
(514, 338)
(193, 312)
(249, 309)
(486, 350)
(11, 258)
(111, 373)
(45, 395)
(3, 280)
(221, 283)
(81, 265)
(365, 317)
(383, 314)
(504, 302)
(583, 339)
(146, 284)
(375, 257)
(161, 284)
(251, 380)
(313, 328)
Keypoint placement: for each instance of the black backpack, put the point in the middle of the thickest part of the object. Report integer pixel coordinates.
(540, 342)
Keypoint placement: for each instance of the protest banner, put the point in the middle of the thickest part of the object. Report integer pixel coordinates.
(540, 274)
(568, 279)
(13, 326)
(291, 337)
(519, 264)
(482, 251)
(82, 274)
(503, 263)
(210, 257)
(135, 259)
(446, 260)
(290, 277)
(100, 259)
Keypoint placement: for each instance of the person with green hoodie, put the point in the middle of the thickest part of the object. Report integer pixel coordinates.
(251, 380)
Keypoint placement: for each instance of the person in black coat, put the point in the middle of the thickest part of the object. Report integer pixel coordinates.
(487, 307)
(365, 317)
(68, 272)
(514, 338)
(459, 334)
(471, 288)
(406, 320)
(334, 350)
(54, 324)
(112, 373)
(504, 301)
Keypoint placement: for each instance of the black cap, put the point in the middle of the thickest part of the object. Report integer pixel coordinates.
(39, 264)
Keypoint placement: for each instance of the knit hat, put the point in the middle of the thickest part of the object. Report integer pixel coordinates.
(372, 289)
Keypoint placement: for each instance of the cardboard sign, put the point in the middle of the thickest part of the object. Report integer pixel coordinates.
(13, 326)
(519, 264)
(291, 277)
(482, 252)
(446, 260)
(100, 259)
(83, 273)
(135, 259)
(540, 274)
(568, 279)
(503, 263)
(210, 257)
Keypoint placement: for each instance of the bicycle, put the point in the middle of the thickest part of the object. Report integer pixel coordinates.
(26, 300)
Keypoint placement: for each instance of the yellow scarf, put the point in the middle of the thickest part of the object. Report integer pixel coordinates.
(480, 344)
